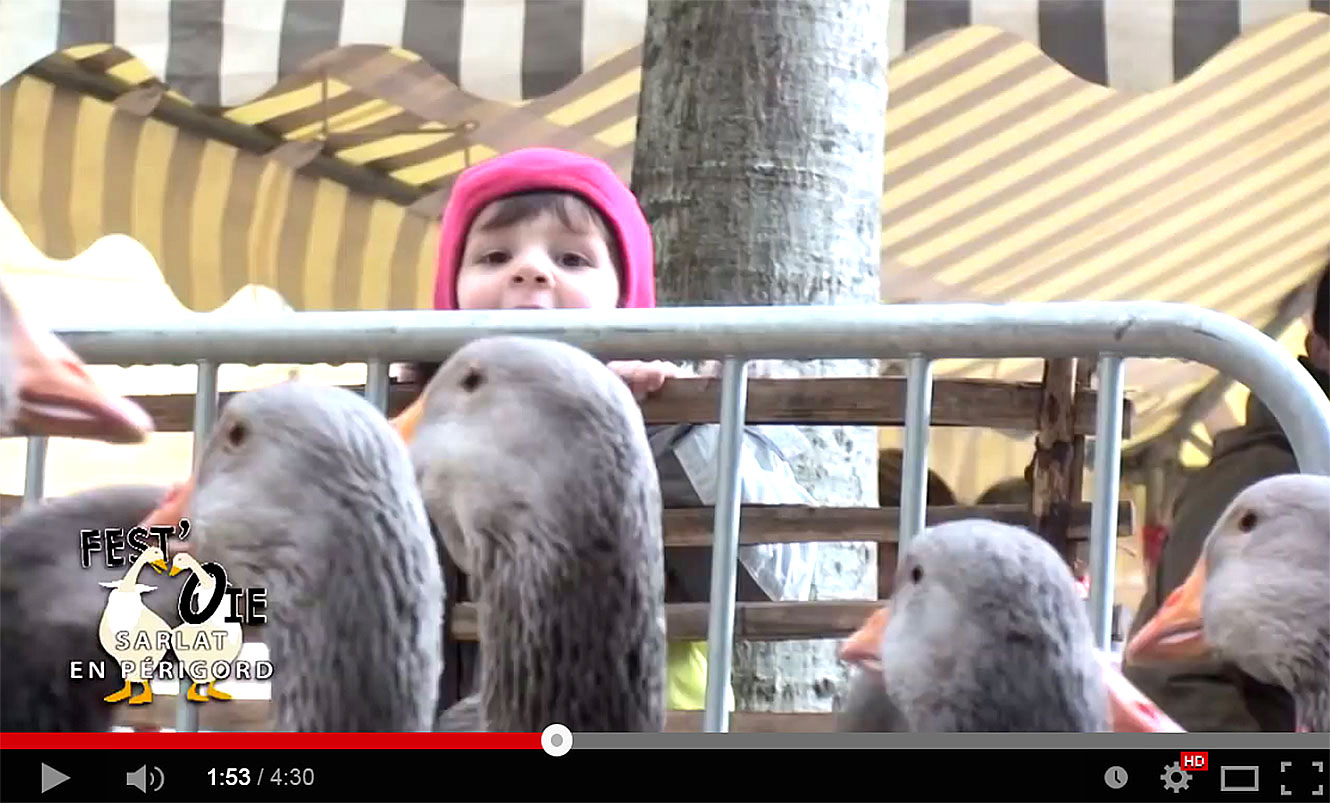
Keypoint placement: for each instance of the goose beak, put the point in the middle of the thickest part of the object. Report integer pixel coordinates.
(864, 647)
(159, 566)
(169, 513)
(57, 396)
(176, 570)
(406, 421)
(1174, 632)
(1131, 710)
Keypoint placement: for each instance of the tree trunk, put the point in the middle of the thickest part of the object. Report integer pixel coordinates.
(758, 161)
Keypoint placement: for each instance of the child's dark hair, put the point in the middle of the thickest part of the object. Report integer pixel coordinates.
(571, 210)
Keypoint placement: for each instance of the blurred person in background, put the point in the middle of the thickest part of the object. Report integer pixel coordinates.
(1213, 695)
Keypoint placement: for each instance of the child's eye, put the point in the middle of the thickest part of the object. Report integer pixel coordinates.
(494, 257)
(571, 260)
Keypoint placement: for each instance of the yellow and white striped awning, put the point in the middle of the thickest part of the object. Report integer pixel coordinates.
(1181, 156)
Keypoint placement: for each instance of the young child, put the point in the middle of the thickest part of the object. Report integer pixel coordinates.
(542, 228)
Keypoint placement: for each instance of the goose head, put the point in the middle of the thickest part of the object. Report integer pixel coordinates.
(185, 562)
(289, 469)
(533, 461)
(986, 632)
(153, 557)
(522, 427)
(306, 492)
(1130, 710)
(1259, 594)
(45, 388)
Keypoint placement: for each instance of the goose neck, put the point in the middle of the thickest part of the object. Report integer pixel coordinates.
(353, 649)
(1311, 699)
(576, 648)
(136, 569)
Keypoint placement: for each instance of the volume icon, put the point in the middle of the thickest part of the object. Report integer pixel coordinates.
(145, 777)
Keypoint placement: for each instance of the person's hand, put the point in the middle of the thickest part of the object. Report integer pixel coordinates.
(644, 378)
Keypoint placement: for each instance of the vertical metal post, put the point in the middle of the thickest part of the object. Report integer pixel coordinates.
(376, 384)
(205, 415)
(1104, 509)
(205, 407)
(725, 545)
(914, 461)
(34, 476)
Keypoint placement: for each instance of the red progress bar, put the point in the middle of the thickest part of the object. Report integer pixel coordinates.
(269, 741)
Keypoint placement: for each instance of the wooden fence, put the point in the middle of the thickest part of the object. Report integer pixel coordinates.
(1060, 410)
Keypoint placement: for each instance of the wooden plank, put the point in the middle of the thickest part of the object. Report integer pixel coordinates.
(782, 524)
(796, 523)
(252, 715)
(753, 621)
(778, 524)
(866, 401)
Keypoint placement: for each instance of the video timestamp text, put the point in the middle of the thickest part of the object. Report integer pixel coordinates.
(271, 776)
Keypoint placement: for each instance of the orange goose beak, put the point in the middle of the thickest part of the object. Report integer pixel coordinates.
(170, 512)
(406, 421)
(1131, 711)
(56, 396)
(864, 647)
(1174, 633)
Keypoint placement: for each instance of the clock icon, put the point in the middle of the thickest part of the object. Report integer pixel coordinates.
(1115, 777)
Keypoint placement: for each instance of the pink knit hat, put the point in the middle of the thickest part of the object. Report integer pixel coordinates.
(547, 169)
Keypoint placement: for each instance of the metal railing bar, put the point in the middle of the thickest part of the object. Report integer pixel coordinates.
(205, 416)
(34, 476)
(376, 384)
(914, 459)
(1104, 507)
(725, 547)
(977, 331)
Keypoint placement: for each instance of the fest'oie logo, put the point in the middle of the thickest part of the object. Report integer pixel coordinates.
(208, 640)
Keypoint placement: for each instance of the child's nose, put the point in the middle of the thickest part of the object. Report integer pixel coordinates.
(533, 269)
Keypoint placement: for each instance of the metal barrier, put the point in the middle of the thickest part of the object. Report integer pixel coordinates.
(1113, 331)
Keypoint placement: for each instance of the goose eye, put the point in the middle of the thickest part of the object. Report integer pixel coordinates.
(916, 574)
(1248, 521)
(237, 434)
(472, 380)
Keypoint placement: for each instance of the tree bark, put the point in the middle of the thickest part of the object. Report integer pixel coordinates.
(758, 162)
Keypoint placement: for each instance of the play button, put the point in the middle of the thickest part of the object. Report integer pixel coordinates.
(51, 778)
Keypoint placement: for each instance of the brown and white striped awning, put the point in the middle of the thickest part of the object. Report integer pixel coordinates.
(1036, 149)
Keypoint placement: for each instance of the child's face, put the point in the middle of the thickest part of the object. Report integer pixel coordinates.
(536, 263)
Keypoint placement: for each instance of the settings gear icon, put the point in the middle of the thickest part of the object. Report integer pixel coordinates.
(1175, 778)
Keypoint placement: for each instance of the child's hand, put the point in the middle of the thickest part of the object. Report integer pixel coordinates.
(644, 377)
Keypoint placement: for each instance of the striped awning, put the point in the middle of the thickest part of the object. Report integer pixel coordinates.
(230, 52)
(1008, 179)
(1172, 150)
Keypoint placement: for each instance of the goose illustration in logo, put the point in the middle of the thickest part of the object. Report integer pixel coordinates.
(130, 632)
(201, 647)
